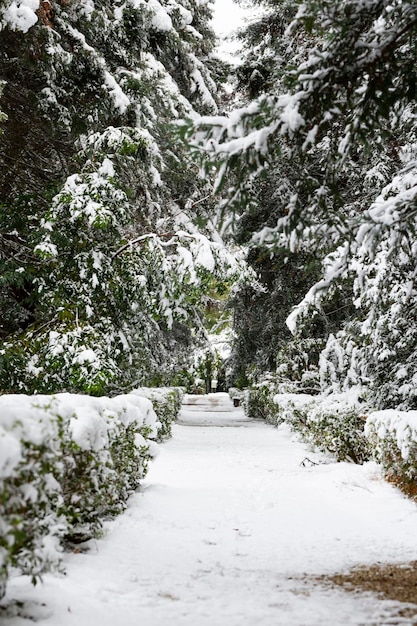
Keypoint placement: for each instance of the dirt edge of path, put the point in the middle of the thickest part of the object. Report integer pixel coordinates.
(392, 581)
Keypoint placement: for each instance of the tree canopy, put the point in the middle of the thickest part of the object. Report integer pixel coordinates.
(102, 269)
(336, 126)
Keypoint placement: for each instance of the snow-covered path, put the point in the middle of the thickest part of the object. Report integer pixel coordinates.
(229, 530)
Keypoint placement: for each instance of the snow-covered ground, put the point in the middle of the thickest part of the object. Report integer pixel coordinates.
(228, 530)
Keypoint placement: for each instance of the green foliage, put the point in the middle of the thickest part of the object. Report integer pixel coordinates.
(30, 500)
(67, 463)
(393, 437)
(89, 163)
(166, 402)
(330, 424)
(259, 403)
(69, 357)
(95, 485)
(331, 135)
(207, 367)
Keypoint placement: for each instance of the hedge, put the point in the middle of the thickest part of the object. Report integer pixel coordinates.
(331, 424)
(258, 403)
(339, 424)
(67, 462)
(166, 402)
(393, 436)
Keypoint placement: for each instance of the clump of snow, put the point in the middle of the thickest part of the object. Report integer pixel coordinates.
(46, 249)
(160, 20)
(86, 356)
(10, 453)
(20, 15)
(89, 431)
(200, 84)
(107, 168)
(86, 8)
(204, 257)
(120, 99)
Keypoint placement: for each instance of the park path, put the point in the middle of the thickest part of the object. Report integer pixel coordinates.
(230, 528)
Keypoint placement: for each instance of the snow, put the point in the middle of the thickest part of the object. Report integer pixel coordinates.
(86, 356)
(160, 20)
(26, 418)
(89, 431)
(399, 425)
(229, 529)
(10, 453)
(228, 18)
(121, 101)
(106, 168)
(201, 85)
(20, 15)
(204, 257)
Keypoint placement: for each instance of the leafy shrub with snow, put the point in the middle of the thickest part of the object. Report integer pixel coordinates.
(234, 392)
(72, 357)
(66, 463)
(393, 437)
(258, 403)
(166, 402)
(30, 495)
(332, 424)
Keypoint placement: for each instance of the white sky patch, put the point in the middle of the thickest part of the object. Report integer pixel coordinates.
(227, 18)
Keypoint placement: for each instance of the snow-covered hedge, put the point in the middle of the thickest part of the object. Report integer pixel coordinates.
(393, 437)
(332, 424)
(235, 393)
(341, 424)
(66, 463)
(166, 402)
(258, 403)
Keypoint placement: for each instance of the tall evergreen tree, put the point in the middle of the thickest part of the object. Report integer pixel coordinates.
(89, 163)
(343, 121)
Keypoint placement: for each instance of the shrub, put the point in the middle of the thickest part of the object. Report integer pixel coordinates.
(332, 424)
(257, 399)
(66, 463)
(393, 437)
(258, 403)
(30, 496)
(166, 402)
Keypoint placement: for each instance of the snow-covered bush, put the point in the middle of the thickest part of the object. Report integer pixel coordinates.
(236, 394)
(75, 357)
(30, 495)
(66, 463)
(105, 454)
(258, 402)
(166, 402)
(333, 424)
(393, 438)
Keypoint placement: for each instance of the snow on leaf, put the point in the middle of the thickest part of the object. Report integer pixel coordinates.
(20, 15)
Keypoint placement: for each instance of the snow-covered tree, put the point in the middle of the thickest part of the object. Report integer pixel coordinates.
(340, 128)
(101, 265)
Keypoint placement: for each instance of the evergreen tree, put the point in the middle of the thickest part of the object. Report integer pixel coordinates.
(89, 163)
(343, 120)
